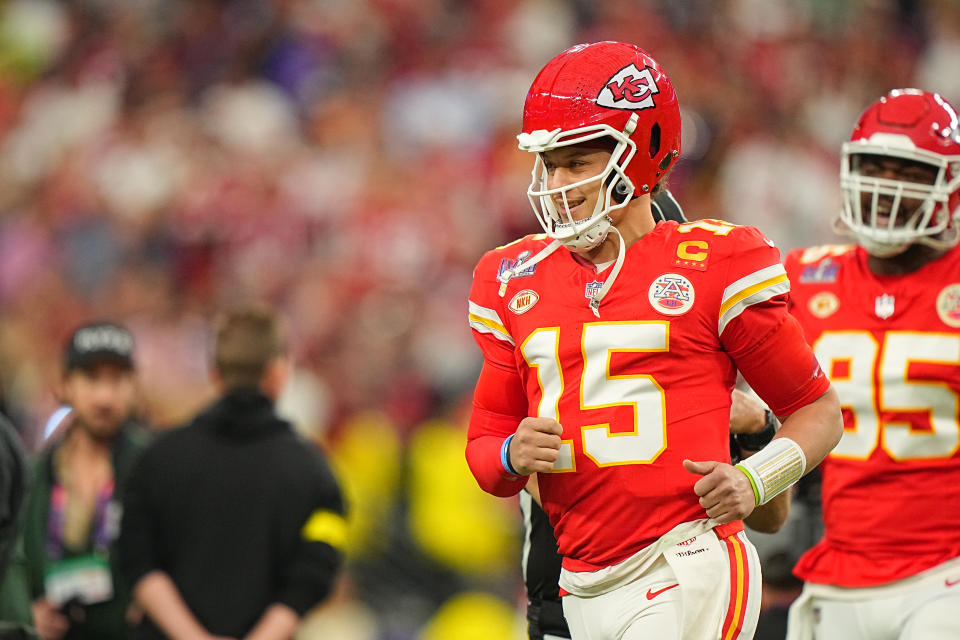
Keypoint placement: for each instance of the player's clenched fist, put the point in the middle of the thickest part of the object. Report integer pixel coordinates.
(724, 490)
(535, 445)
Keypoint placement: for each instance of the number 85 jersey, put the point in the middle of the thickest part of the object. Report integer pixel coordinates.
(891, 345)
(637, 389)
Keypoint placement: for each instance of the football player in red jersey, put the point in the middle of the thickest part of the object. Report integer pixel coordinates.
(611, 346)
(883, 317)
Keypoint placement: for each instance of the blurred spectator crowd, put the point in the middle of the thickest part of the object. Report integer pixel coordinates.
(349, 161)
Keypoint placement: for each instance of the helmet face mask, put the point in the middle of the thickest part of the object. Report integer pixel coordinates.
(607, 90)
(916, 197)
(614, 187)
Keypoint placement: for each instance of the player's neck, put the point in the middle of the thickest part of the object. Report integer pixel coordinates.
(633, 222)
(914, 258)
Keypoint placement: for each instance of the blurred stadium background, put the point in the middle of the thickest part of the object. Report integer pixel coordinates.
(349, 161)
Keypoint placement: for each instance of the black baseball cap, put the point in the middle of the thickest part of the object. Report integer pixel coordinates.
(99, 342)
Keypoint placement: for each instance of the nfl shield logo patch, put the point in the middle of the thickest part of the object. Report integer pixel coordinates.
(592, 288)
(884, 306)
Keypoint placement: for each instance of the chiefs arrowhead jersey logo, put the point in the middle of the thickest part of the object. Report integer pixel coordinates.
(630, 88)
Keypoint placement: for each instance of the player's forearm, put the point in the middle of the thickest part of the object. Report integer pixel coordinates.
(278, 622)
(769, 517)
(483, 457)
(816, 427)
(807, 435)
(161, 600)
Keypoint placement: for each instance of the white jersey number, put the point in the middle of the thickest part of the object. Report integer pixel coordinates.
(599, 388)
(876, 376)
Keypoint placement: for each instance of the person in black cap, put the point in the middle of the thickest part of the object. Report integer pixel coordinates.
(66, 583)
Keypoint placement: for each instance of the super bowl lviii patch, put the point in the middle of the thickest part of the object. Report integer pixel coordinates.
(824, 271)
(671, 294)
(507, 263)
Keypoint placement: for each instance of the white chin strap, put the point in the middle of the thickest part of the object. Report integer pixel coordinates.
(621, 254)
(597, 297)
(589, 238)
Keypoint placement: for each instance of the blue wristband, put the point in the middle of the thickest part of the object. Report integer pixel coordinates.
(505, 456)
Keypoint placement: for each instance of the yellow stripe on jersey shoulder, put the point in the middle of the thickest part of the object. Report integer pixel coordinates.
(496, 326)
(326, 526)
(749, 291)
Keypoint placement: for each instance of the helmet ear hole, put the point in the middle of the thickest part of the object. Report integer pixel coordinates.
(620, 191)
(654, 139)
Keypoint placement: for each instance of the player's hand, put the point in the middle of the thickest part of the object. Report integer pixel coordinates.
(49, 622)
(535, 445)
(725, 492)
(747, 413)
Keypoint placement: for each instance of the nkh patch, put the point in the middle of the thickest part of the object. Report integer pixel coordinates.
(523, 301)
(671, 294)
(630, 88)
(591, 289)
(507, 263)
(948, 305)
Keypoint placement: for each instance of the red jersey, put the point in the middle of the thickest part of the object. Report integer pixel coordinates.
(639, 388)
(891, 345)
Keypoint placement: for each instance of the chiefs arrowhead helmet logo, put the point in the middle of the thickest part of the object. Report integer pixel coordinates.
(630, 88)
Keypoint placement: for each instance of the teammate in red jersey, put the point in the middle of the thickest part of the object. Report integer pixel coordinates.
(883, 317)
(611, 346)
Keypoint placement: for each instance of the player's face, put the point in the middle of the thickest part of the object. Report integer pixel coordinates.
(102, 397)
(569, 165)
(891, 168)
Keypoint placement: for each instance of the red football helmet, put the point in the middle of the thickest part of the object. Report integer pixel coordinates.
(601, 90)
(888, 214)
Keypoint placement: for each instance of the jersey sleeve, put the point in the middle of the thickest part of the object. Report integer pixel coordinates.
(499, 401)
(791, 265)
(756, 328)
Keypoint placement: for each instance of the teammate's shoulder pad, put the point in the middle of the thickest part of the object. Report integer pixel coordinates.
(811, 255)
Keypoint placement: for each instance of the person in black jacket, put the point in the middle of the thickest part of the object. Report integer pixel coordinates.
(14, 478)
(234, 525)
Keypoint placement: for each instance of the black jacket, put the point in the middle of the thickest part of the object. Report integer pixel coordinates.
(14, 478)
(220, 506)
